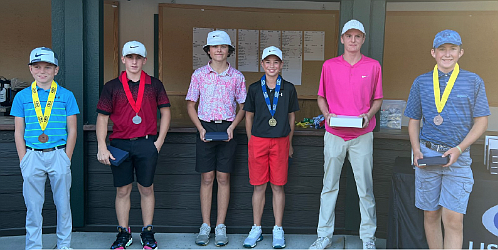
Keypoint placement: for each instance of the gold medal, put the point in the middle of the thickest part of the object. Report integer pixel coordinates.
(438, 120)
(272, 122)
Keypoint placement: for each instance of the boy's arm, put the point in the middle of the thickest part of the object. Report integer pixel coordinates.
(192, 113)
(249, 121)
(103, 153)
(238, 118)
(72, 133)
(324, 107)
(480, 126)
(413, 132)
(19, 137)
(292, 120)
(163, 127)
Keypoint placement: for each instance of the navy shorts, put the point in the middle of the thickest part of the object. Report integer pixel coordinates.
(215, 155)
(141, 162)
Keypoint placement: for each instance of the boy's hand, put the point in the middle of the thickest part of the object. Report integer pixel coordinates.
(454, 153)
(103, 156)
(230, 133)
(328, 118)
(291, 151)
(366, 120)
(202, 134)
(416, 156)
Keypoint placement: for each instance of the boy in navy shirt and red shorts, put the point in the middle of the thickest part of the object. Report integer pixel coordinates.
(270, 106)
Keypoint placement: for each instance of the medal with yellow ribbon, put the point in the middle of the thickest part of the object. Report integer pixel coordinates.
(438, 120)
(43, 118)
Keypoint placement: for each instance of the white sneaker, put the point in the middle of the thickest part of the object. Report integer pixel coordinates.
(278, 237)
(321, 243)
(255, 235)
(369, 243)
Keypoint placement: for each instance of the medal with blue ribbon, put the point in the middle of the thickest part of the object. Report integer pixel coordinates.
(272, 122)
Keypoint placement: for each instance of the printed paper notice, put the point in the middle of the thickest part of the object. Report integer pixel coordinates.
(199, 57)
(232, 33)
(314, 42)
(268, 38)
(292, 44)
(248, 50)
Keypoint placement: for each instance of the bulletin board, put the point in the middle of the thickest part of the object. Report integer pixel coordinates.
(176, 23)
(408, 42)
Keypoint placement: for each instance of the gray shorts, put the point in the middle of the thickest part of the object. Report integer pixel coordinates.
(449, 187)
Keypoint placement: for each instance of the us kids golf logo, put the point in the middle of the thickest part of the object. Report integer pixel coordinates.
(490, 222)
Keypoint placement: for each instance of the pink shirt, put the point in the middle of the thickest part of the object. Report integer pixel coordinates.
(350, 90)
(218, 94)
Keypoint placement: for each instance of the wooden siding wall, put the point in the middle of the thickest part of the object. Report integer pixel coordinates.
(177, 188)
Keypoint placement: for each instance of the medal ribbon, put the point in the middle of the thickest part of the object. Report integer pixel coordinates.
(435, 80)
(275, 97)
(141, 87)
(43, 118)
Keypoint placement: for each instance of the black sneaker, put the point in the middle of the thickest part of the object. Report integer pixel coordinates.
(123, 239)
(147, 238)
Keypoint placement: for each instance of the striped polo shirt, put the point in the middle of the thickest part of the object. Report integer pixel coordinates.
(64, 105)
(466, 101)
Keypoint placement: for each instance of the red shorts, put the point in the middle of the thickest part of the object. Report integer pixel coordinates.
(268, 160)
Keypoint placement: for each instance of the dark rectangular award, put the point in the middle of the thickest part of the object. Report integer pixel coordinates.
(433, 161)
(216, 136)
(119, 154)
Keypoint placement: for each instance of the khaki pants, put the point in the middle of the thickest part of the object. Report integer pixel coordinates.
(361, 157)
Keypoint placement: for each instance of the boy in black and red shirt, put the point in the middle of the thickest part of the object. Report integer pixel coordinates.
(131, 101)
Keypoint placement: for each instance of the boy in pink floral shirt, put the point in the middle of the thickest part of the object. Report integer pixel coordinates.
(218, 87)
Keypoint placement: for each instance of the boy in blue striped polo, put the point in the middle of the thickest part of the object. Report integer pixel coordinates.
(454, 108)
(45, 136)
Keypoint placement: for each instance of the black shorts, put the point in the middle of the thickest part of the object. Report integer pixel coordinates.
(215, 155)
(141, 162)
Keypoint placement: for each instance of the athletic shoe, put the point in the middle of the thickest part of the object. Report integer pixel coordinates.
(220, 235)
(65, 248)
(278, 237)
(369, 243)
(123, 239)
(147, 238)
(321, 243)
(203, 236)
(255, 235)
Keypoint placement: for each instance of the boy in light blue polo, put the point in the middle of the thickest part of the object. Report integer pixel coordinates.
(454, 108)
(45, 136)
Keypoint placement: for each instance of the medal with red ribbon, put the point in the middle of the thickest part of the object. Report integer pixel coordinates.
(138, 104)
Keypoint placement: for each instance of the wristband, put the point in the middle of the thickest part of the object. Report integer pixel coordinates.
(459, 149)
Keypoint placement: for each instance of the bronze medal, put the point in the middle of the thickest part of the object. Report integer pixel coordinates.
(43, 138)
(272, 122)
(438, 120)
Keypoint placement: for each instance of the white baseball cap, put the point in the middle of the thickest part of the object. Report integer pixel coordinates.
(218, 37)
(134, 47)
(272, 50)
(353, 24)
(43, 54)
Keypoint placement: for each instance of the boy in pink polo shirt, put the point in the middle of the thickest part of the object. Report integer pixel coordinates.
(351, 84)
(218, 88)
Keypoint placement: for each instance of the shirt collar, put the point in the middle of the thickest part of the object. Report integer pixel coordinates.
(227, 72)
(440, 73)
(281, 84)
